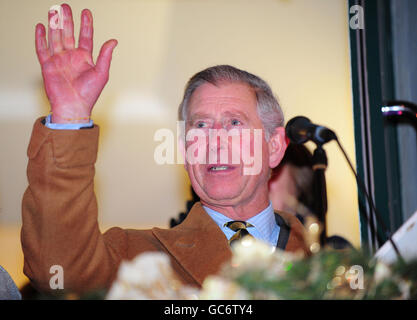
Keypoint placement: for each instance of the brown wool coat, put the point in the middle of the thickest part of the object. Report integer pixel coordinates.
(60, 227)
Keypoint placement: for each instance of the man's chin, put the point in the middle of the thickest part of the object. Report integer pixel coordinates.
(221, 198)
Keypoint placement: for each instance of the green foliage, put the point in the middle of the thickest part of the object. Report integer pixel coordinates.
(331, 274)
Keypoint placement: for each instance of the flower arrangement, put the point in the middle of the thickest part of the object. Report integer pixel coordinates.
(258, 272)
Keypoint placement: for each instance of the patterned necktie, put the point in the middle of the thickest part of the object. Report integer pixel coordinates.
(240, 228)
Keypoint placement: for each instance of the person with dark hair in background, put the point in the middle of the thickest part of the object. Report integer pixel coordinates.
(291, 182)
(291, 188)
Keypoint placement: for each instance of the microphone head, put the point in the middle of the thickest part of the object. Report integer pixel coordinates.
(296, 129)
(400, 109)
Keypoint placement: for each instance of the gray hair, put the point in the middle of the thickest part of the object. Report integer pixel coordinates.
(268, 108)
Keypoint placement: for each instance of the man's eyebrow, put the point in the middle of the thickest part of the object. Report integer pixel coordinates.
(236, 114)
(198, 115)
(202, 115)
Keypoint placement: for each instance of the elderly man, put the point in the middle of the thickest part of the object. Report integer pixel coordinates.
(59, 207)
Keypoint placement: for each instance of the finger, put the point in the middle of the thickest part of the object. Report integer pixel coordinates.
(104, 57)
(85, 40)
(40, 43)
(54, 32)
(68, 31)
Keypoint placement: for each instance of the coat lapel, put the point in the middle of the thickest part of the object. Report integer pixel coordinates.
(201, 248)
(284, 232)
(197, 244)
(292, 239)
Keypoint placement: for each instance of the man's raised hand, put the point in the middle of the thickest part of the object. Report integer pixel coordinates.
(72, 82)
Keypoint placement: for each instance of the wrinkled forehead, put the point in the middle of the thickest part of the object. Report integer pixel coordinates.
(223, 98)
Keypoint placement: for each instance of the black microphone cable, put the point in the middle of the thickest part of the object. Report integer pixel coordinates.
(371, 204)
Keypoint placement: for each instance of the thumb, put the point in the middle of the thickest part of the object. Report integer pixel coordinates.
(105, 55)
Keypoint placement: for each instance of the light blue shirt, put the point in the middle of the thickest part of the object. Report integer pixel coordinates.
(265, 227)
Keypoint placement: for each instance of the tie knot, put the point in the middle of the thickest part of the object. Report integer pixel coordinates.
(240, 230)
(238, 225)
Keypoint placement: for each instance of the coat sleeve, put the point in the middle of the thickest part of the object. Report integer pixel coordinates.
(59, 213)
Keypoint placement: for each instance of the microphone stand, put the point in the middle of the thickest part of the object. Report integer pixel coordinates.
(300, 130)
(319, 166)
(319, 162)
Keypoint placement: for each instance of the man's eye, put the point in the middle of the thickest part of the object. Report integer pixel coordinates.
(236, 122)
(201, 125)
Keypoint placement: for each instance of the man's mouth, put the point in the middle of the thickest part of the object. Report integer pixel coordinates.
(219, 168)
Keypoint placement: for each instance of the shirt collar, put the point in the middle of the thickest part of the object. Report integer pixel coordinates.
(264, 221)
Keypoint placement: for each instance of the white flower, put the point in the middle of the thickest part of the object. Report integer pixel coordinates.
(249, 251)
(382, 271)
(251, 255)
(148, 276)
(218, 288)
(145, 269)
(404, 287)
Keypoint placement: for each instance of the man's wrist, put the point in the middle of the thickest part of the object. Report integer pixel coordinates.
(65, 120)
(68, 125)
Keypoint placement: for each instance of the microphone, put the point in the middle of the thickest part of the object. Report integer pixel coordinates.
(400, 109)
(300, 130)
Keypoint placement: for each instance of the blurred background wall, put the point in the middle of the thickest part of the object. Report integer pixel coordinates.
(300, 47)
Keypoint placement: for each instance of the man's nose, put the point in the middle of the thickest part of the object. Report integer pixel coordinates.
(218, 144)
(218, 136)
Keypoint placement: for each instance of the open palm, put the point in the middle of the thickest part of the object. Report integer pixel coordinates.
(72, 82)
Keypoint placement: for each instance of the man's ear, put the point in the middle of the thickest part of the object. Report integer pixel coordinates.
(277, 145)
